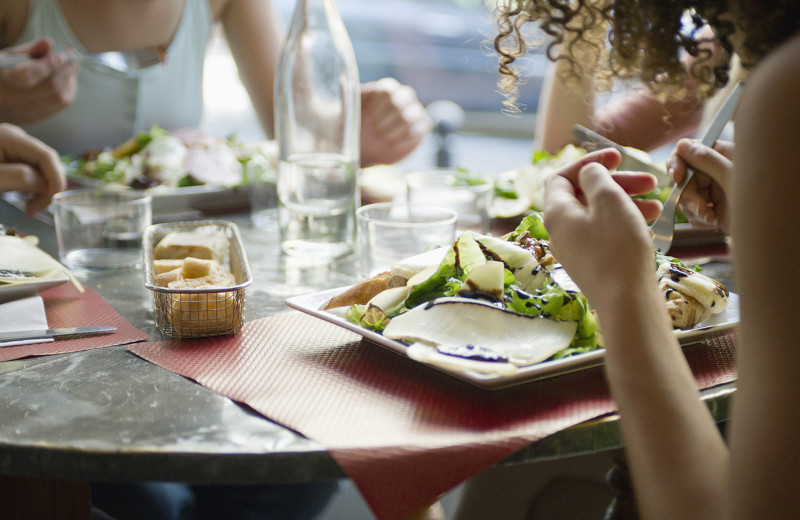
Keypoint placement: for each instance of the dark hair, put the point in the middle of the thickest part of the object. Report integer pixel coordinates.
(643, 39)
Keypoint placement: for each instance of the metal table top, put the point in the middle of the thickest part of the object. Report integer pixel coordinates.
(106, 414)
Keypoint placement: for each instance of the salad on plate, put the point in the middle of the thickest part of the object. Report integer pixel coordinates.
(499, 304)
(164, 160)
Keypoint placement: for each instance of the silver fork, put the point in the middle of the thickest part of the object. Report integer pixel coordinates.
(664, 226)
(123, 61)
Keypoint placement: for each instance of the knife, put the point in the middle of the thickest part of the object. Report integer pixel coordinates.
(54, 333)
(630, 162)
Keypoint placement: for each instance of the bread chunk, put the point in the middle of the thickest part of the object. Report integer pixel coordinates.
(198, 268)
(200, 314)
(205, 244)
(193, 273)
(163, 266)
(363, 291)
(163, 279)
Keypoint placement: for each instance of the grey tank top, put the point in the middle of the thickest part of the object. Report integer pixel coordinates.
(110, 106)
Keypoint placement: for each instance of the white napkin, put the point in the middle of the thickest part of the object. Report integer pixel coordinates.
(23, 314)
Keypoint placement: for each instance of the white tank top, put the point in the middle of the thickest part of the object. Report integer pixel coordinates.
(110, 106)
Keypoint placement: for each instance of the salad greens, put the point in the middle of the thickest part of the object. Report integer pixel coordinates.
(528, 285)
(158, 157)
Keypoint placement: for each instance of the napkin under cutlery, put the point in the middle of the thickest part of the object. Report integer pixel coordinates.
(23, 314)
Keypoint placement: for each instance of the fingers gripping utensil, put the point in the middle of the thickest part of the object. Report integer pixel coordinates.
(664, 226)
(134, 59)
(591, 141)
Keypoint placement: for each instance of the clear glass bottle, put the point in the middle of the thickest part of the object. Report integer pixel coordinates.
(317, 118)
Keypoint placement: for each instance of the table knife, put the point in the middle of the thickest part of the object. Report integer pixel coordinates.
(54, 333)
(593, 141)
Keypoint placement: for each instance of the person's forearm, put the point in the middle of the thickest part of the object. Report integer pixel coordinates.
(568, 94)
(677, 457)
(255, 35)
(642, 121)
(561, 107)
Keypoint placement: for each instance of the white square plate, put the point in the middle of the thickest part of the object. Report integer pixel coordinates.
(14, 291)
(715, 325)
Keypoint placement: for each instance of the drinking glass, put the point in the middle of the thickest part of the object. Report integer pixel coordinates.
(391, 231)
(98, 229)
(470, 196)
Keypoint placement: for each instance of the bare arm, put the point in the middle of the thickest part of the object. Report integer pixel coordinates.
(645, 122)
(676, 454)
(565, 103)
(393, 121)
(766, 187)
(561, 107)
(681, 468)
(639, 120)
(255, 35)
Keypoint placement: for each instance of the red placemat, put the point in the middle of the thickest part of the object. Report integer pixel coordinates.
(403, 432)
(66, 307)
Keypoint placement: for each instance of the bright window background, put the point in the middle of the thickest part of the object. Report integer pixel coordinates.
(442, 48)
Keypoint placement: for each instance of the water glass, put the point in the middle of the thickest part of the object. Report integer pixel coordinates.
(470, 196)
(262, 175)
(99, 230)
(391, 231)
(316, 205)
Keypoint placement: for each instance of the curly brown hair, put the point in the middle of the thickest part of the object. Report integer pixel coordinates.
(643, 39)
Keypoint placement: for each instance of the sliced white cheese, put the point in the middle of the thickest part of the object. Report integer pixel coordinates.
(560, 276)
(709, 292)
(529, 275)
(390, 298)
(428, 354)
(422, 275)
(408, 267)
(487, 279)
(455, 322)
(17, 254)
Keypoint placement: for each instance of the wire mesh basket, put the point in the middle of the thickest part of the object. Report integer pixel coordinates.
(203, 311)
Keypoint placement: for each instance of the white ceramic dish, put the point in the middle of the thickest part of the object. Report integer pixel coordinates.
(14, 291)
(203, 199)
(715, 325)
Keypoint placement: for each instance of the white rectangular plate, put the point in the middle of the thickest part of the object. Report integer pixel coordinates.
(205, 199)
(14, 291)
(716, 324)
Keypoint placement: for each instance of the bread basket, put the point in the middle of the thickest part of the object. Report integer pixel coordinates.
(193, 313)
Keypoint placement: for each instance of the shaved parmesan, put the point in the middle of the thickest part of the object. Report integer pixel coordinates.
(455, 322)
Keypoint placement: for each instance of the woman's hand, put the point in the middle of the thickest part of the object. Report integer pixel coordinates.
(39, 87)
(29, 166)
(596, 230)
(393, 122)
(704, 201)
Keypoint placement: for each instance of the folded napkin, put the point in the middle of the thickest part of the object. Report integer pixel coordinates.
(403, 432)
(23, 314)
(66, 307)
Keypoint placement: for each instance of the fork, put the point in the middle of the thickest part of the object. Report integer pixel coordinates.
(122, 61)
(664, 226)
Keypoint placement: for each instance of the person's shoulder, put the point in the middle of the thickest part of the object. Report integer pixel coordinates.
(771, 100)
(776, 80)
